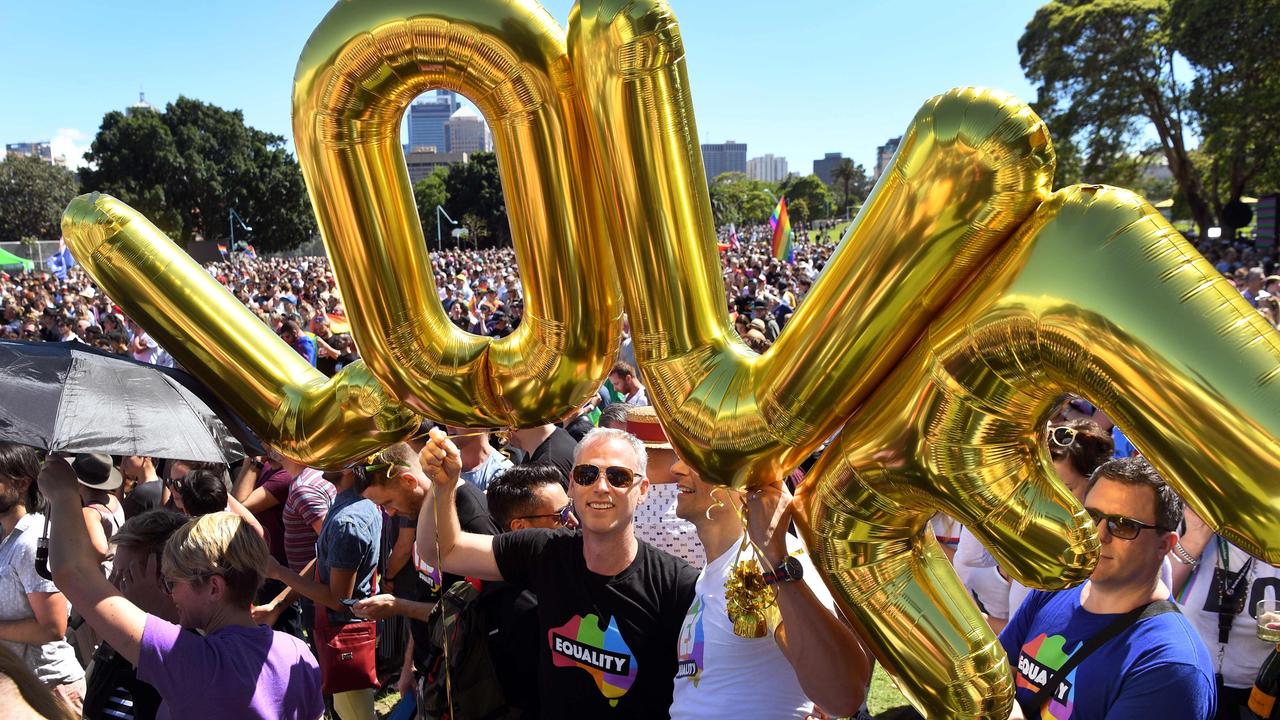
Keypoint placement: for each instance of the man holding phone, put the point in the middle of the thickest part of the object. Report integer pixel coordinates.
(609, 606)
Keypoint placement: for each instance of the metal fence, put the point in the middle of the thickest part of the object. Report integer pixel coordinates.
(35, 252)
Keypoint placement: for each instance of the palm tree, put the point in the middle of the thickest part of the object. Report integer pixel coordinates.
(843, 174)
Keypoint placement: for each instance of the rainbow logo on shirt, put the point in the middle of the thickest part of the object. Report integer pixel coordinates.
(582, 643)
(689, 644)
(1039, 659)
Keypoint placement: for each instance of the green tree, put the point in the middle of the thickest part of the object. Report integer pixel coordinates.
(427, 194)
(807, 198)
(474, 188)
(1104, 72)
(736, 198)
(33, 194)
(853, 181)
(1234, 45)
(185, 168)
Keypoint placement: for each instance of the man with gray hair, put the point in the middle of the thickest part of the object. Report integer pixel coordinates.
(609, 606)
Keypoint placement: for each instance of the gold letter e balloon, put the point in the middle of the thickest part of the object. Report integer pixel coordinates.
(965, 298)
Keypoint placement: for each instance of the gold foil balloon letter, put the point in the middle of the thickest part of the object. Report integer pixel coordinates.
(361, 68)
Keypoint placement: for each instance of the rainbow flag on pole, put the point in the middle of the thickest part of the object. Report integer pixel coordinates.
(783, 249)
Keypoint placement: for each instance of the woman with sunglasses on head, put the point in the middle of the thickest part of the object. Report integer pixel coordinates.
(211, 568)
(609, 606)
(1076, 447)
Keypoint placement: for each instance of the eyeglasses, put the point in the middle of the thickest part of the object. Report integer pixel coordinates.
(1063, 436)
(619, 477)
(1121, 527)
(561, 516)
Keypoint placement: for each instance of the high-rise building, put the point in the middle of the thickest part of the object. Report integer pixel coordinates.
(427, 119)
(768, 168)
(42, 150)
(466, 131)
(721, 158)
(884, 154)
(424, 162)
(826, 166)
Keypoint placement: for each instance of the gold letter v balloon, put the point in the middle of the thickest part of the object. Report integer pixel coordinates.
(966, 296)
(962, 302)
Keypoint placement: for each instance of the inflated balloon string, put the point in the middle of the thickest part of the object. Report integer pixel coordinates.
(448, 676)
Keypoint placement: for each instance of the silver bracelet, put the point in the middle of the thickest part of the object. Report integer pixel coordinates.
(1181, 555)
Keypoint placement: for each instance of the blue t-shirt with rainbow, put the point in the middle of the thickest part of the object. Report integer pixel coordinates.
(1157, 668)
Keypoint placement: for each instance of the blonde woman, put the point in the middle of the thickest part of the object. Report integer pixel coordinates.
(211, 568)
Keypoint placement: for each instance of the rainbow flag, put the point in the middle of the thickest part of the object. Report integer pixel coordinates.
(338, 323)
(783, 249)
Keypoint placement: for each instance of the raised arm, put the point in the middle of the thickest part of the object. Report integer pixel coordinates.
(75, 565)
(462, 553)
(827, 656)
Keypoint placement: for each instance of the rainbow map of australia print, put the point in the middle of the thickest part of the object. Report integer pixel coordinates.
(603, 653)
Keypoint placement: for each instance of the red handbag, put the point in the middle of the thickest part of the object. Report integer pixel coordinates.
(347, 654)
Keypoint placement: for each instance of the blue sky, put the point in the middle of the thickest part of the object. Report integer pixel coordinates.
(796, 79)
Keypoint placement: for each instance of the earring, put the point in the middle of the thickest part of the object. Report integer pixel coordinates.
(719, 502)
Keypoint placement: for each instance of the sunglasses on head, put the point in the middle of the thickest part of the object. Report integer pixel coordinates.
(167, 583)
(1063, 436)
(1121, 527)
(561, 516)
(619, 477)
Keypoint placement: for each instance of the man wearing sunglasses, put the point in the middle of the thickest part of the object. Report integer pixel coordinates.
(1134, 654)
(609, 605)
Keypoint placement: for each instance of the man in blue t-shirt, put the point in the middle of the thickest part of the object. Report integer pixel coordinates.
(1157, 666)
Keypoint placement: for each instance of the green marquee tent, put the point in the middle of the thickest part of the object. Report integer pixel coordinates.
(9, 261)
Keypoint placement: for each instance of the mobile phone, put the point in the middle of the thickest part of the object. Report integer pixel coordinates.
(349, 602)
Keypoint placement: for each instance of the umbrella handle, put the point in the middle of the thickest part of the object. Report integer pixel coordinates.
(42, 553)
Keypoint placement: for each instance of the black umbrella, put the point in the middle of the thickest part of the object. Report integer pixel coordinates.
(71, 398)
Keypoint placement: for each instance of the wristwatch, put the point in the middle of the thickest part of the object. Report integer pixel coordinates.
(790, 570)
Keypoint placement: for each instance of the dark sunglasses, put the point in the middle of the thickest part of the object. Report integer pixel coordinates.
(1121, 527)
(561, 516)
(617, 476)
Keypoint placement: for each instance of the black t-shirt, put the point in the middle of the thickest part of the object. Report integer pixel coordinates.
(607, 644)
(557, 451)
(473, 517)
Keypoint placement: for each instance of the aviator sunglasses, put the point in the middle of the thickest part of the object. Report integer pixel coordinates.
(619, 477)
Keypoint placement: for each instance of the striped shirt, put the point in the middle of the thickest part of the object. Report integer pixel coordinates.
(308, 503)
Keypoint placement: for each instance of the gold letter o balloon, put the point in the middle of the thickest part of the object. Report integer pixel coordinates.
(965, 297)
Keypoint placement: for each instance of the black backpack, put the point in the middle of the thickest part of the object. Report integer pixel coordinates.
(459, 617)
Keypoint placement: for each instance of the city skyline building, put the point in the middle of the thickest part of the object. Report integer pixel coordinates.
(825, 167)
(721, 158)
(884, 154)
(40, 149)
(422, 163)
(465, 131)
(427, 118)
(767, 167)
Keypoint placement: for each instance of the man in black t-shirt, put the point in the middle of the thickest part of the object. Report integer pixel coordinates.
(395, 482)
(609, 605)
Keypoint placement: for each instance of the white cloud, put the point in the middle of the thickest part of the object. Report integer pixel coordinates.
(71, 144)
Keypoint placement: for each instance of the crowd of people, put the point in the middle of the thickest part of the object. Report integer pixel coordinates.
(567, 570)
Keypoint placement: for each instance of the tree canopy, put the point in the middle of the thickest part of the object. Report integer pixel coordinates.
(33, 194)
(186, 167)
(737, 199)
(1109, 91)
